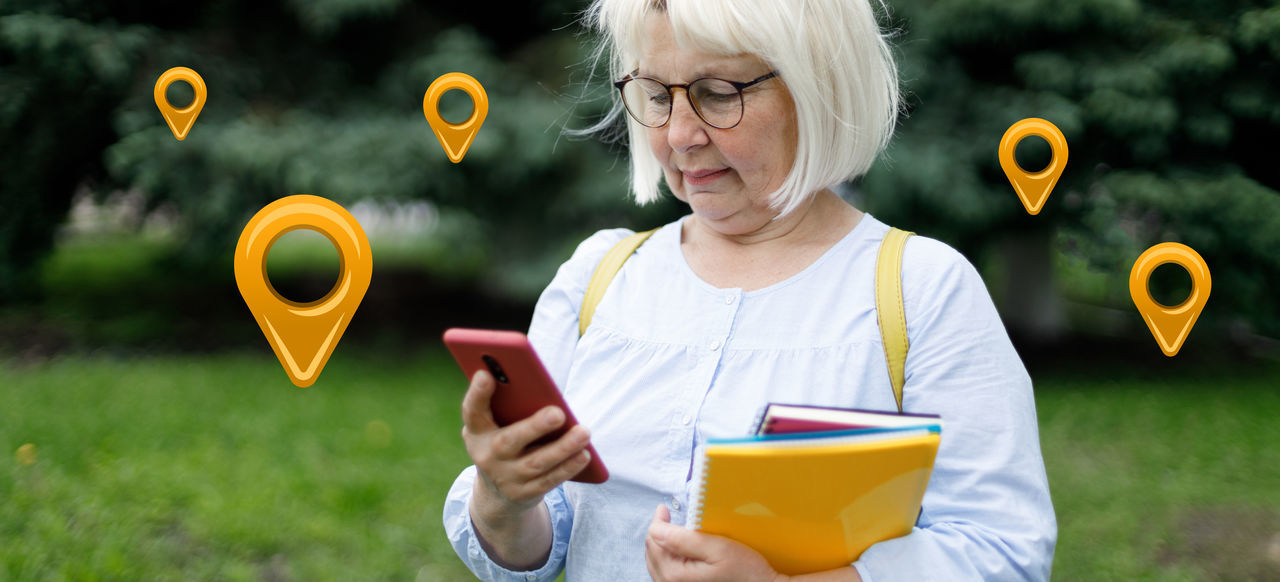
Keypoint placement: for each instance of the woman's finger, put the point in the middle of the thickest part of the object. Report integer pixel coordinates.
(511, 441)
(545, 458)
(680, 541)
(541, 484)
(477, 416)
(653, 556)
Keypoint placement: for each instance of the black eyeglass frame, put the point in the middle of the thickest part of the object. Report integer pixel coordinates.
(740, 86)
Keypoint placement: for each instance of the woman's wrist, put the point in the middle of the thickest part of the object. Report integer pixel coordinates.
(519, 540)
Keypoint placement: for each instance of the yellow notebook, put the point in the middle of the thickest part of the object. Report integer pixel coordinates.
(810, 504)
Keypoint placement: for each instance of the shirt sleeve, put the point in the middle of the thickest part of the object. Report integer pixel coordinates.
(554, 335)
(462, 534)
(554, 329)
(986, 514)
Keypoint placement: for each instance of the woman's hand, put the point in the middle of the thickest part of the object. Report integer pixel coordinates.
(677, 554)
(512, 477)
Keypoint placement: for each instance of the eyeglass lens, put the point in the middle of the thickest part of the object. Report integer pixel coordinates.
(717, 102)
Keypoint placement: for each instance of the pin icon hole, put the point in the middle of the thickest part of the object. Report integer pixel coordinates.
(1033, 154)
(303, 266)
(496, 369)
(1170, 285)
(180, 94)
(455, 106)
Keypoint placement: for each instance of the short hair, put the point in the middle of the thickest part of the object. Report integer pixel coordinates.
(831, 55)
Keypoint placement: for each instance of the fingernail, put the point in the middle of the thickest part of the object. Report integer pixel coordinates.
(551, 416)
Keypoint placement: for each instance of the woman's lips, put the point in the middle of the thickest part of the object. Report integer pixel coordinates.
(703, 177)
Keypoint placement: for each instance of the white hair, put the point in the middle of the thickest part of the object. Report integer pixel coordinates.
(831, 55)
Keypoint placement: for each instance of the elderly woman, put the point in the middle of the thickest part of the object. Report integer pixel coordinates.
(750, 111)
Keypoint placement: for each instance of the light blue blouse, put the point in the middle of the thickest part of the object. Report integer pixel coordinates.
(670, 360)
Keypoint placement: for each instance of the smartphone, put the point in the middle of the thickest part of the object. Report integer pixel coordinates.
(523, 384)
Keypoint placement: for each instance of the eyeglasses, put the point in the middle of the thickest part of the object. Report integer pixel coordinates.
(716, 101)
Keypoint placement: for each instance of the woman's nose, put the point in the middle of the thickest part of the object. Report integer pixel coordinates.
(685, 130)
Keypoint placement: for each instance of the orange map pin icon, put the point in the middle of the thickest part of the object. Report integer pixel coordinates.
(455, 138)
(180, 120)
(1170, 325)
(303, 335)
(1033, 189)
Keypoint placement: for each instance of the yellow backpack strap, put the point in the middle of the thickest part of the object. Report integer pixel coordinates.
(608, 267)
(889, 309)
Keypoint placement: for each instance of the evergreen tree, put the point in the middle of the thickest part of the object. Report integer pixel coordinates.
(318, 97)
(1170, 110)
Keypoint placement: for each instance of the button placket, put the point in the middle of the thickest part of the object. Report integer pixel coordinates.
(725, 307)
(730, 312)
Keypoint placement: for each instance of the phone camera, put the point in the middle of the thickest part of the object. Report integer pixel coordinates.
(495, 369)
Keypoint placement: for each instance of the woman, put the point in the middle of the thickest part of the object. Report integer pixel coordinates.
(750, 111)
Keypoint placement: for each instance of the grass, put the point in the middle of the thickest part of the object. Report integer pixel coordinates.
(216, 468)
(1164, 478)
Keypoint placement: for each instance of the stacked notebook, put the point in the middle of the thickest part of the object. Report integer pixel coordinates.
(813, 487)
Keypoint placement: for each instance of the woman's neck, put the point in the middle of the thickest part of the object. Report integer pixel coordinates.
(772, 253)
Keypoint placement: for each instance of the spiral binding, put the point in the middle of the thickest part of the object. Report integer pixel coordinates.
(757, 426)
(694, 520)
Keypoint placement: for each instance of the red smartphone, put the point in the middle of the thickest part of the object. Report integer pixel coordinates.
(523, 384)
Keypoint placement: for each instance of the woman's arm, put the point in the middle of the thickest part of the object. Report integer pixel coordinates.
(484, 530)
(506, 515)
(469, 546)
(522, 542)
(986, 514)
(506, 505)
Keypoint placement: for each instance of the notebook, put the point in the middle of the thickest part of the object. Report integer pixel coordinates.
(813, 501)
(777, 418)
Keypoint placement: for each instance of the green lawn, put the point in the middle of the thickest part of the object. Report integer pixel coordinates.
(1165, 479)
(216, 468)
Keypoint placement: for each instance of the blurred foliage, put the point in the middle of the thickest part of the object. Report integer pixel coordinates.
(317, 97)
(1170, 111)
(1167, 106)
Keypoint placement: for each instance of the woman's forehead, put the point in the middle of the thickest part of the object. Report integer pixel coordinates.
(691, 67)
(660, 50)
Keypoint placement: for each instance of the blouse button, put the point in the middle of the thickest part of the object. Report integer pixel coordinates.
(675, 503)
(728, 299)
(686, 420)
(715, 345)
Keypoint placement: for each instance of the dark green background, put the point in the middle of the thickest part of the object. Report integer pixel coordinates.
(170, 444)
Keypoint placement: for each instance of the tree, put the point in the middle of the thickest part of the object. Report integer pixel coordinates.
(60, 81)
(1168, 109)
(321, 97)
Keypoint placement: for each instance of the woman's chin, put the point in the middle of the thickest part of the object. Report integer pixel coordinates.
(730, 220)
(712, 206)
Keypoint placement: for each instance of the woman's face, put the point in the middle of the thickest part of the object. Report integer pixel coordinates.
(725, 175)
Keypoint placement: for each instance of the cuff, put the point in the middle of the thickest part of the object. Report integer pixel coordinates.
(466, 542)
